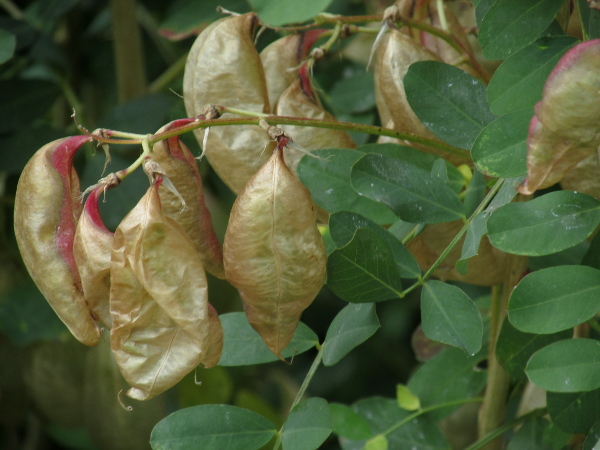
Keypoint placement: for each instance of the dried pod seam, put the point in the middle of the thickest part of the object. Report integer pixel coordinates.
(47, 207)
(274, 253)
(181, 168)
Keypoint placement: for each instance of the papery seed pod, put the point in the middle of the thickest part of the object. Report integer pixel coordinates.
(565, 128)
(274, 253)
(570, 105)
(224, 68)
(441, 48)
(391, 67)
(47, 207)
(301, 100)
(485, 269)
(181, 168)
(584, 177)
(92, 247)
(162, 326)
(281, 61)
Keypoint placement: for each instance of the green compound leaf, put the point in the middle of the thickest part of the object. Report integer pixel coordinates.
(212, 427)
(328, 180)
(572, 365)
(8, 43)
(279, 12)
(347, 423)
(576, 412)
(510, 25)
(307, 426)
(382, 415)
(343, 225)
(548, 224)
(538, 433)
(413, 194)
(501, 148)
(514, 348)
(518, 82)
(364, 270)
(449, 101)
(448, 315)
(242, 346)
(352, 326)
(555, 299)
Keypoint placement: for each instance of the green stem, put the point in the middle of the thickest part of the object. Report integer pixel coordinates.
(420, 412)
(506, 427)
(167, 77)
(129, 55)
(122, 174)
(488, 198)
(302, 390)
(12, 9)
(427, 145)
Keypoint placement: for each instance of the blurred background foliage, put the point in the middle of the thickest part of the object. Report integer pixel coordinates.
(119, 64)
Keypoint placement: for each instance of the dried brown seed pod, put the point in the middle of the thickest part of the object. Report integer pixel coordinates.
(485, 269)
(274, 253)
(281, 61)
(47, 207)
(162, 327)
(181, 168)
(301, 100)
(224, 68)
(92, 248)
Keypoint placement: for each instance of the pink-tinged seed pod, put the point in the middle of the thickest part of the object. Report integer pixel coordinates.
(162, 323)
(274, 253)
(92, 248)
(301, 100)
(281, 61)
(224, 68)
(47, 207)
(181, 168)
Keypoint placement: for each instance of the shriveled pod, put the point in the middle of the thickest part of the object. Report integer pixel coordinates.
(281, 61)
(274, 253)
(392, 64)
(92, 247)
(179, 165)
(301, 100)
(224, 68)
(47, 207)
(485, 269)
(162, 326)
(445, 51)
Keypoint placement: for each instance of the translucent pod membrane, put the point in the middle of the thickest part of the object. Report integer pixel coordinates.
(274, 253)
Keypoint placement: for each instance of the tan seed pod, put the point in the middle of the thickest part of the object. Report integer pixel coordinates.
(301, 100)
(224, 68)
(584, 177)
(158, 301)
(281, 61)
(181, 168)
(274, 253)
(485, 269)
(92, 248)
(391, 67)
(47, 207)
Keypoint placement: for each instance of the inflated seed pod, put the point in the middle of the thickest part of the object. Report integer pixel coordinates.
(162, 327)
(224, 68)
(281, 60)
(179, 165)
(485, 269)
(274, 253)
(584, 177)
(92, 247)
(392, 64)
(47, 207)
(301, 100)
(441, 48)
